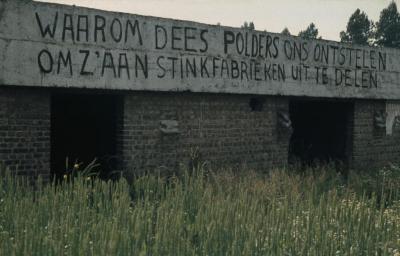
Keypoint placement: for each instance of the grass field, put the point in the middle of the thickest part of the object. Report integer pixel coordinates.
(200, 212)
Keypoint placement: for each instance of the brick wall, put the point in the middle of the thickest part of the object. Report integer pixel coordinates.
(25, 131)
(222, 128)
(372, 148)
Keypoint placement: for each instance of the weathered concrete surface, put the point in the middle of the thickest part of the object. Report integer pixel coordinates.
(53, 45)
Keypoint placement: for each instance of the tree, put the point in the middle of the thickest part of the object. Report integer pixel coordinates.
(248, 25)
(251, 26)
(311, 32)
(388, 27)
(285, 32)
(359, 29)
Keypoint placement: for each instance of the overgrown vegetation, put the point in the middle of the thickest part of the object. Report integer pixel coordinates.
(200, 212)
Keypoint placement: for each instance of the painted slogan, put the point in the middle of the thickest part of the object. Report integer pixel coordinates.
(259, 53)
(79, 47)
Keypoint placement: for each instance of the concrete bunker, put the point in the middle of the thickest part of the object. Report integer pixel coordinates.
(233, 94)
(321, 131)
(84, 128)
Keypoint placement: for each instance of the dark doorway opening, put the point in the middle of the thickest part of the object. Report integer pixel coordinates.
(321, 132)
(83, 128)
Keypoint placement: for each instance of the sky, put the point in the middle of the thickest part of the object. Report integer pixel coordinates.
(330, 16)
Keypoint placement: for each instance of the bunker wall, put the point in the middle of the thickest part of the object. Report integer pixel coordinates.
(25, 131)
(166, 130)
(372, 146)
(191, 91)
(221, 130)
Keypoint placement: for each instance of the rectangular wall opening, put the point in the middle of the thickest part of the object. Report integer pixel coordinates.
(84, 128)
(321, 132)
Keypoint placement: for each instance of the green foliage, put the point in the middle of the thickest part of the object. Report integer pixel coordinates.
(359, 29)
(285, 32)
(311, 32)
(248, 25)
(316, 212)
(388, 27)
